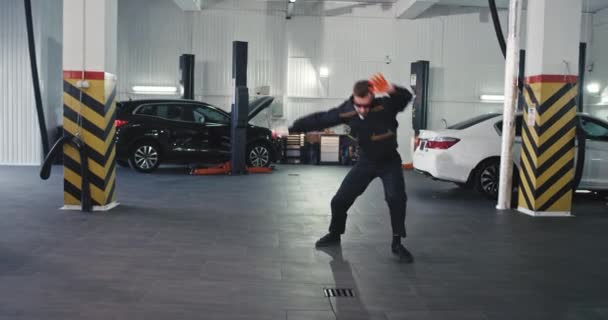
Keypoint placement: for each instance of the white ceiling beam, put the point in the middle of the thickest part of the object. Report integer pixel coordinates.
(412, 9)
(189, 5)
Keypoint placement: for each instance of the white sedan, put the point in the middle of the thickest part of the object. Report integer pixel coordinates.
(468, 153)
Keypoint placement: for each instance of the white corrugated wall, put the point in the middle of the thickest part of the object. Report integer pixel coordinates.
(152, 34)
(19, 133)
(287, 55)
(599, 60)
(462, 48)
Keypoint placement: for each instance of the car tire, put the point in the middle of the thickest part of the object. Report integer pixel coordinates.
(487, 178)
(258, 155)
(144, 157)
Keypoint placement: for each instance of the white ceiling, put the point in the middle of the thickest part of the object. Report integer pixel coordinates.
(589, 6)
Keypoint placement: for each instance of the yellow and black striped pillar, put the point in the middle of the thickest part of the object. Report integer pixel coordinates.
(89, 111)
(548, 145)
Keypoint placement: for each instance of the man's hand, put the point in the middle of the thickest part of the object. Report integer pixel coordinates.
(380, 85)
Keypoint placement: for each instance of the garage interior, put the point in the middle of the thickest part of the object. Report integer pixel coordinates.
(178, 243)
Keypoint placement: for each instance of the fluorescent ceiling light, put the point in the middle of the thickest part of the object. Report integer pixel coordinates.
(492, 97)
(154, 89)
(323, 72)
(593, 87)
(292, 1)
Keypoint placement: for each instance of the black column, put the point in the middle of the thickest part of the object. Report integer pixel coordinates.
(186, 69)
(582, 61)
(240, 108)
(521, 102)
(419, 80)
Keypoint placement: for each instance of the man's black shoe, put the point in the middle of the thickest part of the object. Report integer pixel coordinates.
(400, 251)
(328, 240)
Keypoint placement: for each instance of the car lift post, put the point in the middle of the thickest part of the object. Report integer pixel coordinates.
(240, 108)
(186, 71)
(239, 119)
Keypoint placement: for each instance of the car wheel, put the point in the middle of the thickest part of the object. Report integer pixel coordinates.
(145, 157)
(487, 177)
(258, 155)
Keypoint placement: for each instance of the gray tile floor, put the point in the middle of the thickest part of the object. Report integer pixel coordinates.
(182, 247)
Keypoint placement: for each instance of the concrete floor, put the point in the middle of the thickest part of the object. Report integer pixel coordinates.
(182, 247)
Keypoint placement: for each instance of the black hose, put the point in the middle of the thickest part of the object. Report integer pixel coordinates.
(45, 171)
(581, 137)
(85, 193)
(497, 28)
(520, 80)
(52, 153)
(34, 66)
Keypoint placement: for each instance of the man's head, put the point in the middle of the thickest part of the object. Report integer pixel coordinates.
(362, 97)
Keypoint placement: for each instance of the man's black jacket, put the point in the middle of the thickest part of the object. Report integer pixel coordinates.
(377, 133)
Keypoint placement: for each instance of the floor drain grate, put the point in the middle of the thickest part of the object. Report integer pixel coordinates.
(338, 292)
(294, 174)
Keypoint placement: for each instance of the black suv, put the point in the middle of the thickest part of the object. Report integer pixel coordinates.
(149, 132)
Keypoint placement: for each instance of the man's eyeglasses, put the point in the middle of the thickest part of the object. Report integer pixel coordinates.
(363, 106)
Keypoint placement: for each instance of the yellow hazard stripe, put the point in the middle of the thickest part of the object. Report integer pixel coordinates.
(565, 139)
(554, 168)
(567, 178)
(96, 89)
(69, 199)
(557, 126)
(559, 105)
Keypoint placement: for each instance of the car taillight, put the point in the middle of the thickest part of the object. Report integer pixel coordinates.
(120, 123)
(275, 135)
(441, 143)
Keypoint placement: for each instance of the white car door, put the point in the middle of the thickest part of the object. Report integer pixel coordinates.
(595, 172)
(517, 143)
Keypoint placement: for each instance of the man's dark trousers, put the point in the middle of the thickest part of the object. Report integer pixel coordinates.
(357, 180)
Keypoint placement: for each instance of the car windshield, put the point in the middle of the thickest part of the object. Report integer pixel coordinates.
(262, 119)
(473, 121)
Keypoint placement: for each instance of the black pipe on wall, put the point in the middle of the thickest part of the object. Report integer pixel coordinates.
(520, 80)
(496, 20)
(35, 78)
(582, 62)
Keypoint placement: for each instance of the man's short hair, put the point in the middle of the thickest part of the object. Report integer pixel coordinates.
(361, 89)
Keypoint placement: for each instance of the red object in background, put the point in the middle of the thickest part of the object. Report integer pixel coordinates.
(120, 123)
(442, 143)
(225, 169)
